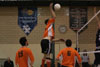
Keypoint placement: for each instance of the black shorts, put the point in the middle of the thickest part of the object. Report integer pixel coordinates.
(46, 46)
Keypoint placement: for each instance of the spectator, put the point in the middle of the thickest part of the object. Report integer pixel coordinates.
(8, 63)
(85, 59)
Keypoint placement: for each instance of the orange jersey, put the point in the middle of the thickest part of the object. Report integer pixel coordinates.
(23, 57)
(68, 55)
(49, 31)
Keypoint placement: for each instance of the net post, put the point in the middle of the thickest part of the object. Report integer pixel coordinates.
(77, 41)
(78, 31)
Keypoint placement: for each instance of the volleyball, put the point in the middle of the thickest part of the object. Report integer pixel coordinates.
(57, 6)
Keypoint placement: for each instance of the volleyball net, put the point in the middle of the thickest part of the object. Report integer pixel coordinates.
(86, 39)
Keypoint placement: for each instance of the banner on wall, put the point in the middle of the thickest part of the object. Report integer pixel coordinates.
(78, 17)
(27, 19)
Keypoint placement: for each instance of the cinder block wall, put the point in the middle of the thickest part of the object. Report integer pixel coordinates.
(10, 32)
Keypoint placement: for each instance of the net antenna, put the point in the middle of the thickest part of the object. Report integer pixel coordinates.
(77, 40)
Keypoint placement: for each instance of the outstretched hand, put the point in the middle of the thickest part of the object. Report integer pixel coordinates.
(62, 40)
(51, 4)
(52, 11)
(57, 40)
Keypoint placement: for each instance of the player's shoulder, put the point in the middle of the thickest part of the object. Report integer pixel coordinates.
(27, 49)
(63, 49)
(24, 49)
(71, 49)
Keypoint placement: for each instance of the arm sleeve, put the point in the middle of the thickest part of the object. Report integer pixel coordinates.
(31, 55)
(78, 56)
(59, 54)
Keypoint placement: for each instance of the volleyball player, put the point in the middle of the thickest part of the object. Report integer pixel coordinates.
(24, 56)
(97, 55)
(68, 55)
(85, 59)
(48, 37)
(98, 32)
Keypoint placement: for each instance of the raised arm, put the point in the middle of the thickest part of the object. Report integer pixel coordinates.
(97, 18)
(52, 11)
(57, 40)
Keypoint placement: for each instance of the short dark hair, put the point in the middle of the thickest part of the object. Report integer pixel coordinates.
(68, 43)
(23, 41)
(46, 21)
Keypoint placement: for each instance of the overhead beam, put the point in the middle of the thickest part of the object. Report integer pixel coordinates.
(47, 2)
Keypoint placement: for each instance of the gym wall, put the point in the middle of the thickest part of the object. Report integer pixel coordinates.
(10, 32)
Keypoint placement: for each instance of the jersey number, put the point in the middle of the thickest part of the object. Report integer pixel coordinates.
(20, 54)
(68, 53)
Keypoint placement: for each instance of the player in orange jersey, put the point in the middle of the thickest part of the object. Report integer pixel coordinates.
(24, 56)
(49, 31)
(48, 37)
(68, 55)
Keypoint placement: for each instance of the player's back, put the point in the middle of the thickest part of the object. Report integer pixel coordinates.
(22, 57)
(68, 57)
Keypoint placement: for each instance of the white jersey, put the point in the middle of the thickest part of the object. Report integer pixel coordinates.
(85, 58)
